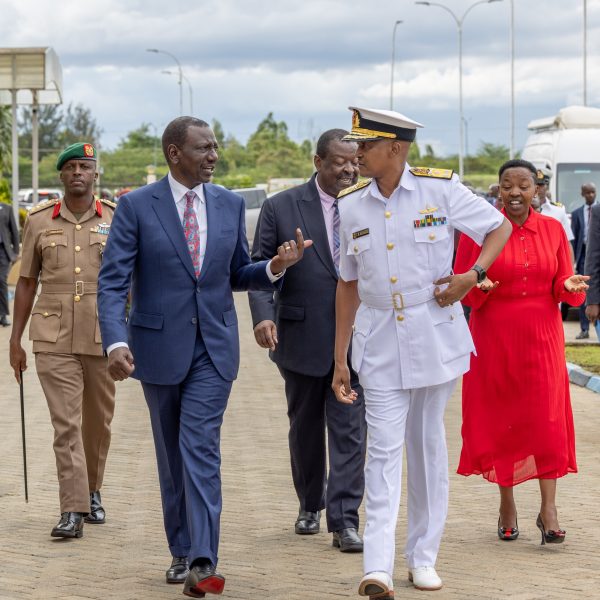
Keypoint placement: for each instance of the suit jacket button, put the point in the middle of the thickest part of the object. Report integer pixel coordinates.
(194, 320)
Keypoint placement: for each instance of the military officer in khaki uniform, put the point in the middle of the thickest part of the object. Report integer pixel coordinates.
(63, 242)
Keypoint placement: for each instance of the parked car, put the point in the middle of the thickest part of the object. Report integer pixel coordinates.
(254, 199)
(26, 196)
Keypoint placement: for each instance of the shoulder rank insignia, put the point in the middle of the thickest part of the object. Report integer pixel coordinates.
(559, 204)
(43, 206)
(354, 188)
(428, 210)
(108, 202)
(436, 173)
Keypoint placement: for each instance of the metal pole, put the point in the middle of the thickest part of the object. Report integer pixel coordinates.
(23, 435)
(180, 72)
(512, 79)
(585, 52)
(15, 144)
(191, 97)
(35, 147)
(393, 64)
(461, 169)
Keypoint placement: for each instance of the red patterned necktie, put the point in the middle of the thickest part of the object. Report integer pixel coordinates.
(192, 231)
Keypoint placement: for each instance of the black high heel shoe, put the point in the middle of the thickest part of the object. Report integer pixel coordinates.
(550, 536)
(508, 533)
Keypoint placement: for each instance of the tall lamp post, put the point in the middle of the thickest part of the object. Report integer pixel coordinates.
(167, 72)
(585, 52)
(156, 51)
(511, 154)
(393, 64)
(459, 25)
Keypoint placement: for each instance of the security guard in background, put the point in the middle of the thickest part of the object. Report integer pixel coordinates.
(63, 242)
(410, 341)
(541, 203)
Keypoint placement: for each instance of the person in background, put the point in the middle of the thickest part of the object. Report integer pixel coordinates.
(493, 194)
(580, 223)
(9, 252)
(517, 418)
(592, 268)
(298, 327)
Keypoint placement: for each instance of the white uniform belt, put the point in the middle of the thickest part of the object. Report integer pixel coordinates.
(398, 300)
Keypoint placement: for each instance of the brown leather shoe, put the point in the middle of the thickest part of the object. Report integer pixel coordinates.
(178, 570)
(70, 525)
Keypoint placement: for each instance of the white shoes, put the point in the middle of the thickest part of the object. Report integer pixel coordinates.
(376, 585)
(425, 578)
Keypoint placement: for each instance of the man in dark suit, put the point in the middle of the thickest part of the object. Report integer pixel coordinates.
(592, 267)
(297, 324)
(9, 251)
(180, 245)
(580, 220)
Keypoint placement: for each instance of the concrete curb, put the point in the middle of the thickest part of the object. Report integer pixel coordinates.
(583, 378)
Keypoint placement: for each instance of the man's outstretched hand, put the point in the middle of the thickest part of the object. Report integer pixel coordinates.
(289, 253)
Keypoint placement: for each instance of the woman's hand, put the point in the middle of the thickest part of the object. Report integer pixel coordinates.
(341, 385)
(577, 283)
(487, 285)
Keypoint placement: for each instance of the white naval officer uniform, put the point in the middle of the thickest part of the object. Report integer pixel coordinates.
(407, 350)
(558, 212)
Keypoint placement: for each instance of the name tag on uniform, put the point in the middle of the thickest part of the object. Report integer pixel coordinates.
(359, 234)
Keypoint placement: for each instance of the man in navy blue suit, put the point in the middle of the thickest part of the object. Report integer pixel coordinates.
(580, 224)
(180, 246)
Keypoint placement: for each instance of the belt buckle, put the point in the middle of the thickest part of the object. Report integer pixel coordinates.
(79, 289)
(397, 297)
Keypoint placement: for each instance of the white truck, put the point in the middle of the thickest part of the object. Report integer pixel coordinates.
(569, 145)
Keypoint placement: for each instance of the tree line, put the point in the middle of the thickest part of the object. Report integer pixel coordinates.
(268, 153)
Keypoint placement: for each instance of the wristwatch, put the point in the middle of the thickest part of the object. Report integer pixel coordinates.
(481, 273)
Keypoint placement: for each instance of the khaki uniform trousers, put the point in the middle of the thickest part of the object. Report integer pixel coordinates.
(81, 399)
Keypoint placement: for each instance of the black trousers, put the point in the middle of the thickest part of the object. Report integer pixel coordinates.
(4, 268)
(314, 411)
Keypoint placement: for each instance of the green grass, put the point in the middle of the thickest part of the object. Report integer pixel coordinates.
(587, 357)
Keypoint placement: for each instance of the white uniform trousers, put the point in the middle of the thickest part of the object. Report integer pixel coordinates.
(416, 417)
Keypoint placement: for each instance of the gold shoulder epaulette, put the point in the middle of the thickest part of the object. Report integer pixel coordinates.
(108, 202)
(43, 206)
(427, 172)
(354, 188)
(559, 204)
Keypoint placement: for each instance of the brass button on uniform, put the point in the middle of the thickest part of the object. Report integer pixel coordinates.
(77, 298)
(77, 269)
(400, 318)
(78, 226)
(388, 214)
(390, 246)
(393, 279)
(103, 243)
(432, 236)
(77, 248)
(355, 248)
(53, 244)
(45, 314)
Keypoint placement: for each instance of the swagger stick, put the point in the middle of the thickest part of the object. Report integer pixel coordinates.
(23, 435)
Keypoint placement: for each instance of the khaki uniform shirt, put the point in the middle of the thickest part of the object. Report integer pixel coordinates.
(65, 255)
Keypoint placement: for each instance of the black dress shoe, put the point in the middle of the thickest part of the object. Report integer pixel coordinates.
(178, 570)
(97, 514)
(4, 321)
(203, 579)
(69, 526)
(347, 540)
(582, 335)
(307, 522)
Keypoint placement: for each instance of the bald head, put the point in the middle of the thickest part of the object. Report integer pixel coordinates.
(588, 191)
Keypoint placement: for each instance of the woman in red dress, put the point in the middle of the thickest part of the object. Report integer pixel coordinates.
(517, 419)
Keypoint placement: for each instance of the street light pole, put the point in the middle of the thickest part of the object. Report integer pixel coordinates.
(459, 26)
(585, 52)
(512, 80)
(189, 89)
(393, 64)
(156, 51)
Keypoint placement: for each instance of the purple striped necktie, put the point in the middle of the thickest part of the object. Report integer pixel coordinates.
(336, 237)
(191, 231)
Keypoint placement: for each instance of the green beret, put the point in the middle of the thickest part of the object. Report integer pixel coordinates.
(80, 151)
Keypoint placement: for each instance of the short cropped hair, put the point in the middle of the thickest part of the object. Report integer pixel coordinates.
(516, 163)
(176, 132)
(327, 137)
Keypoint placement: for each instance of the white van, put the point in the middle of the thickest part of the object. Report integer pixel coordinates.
(569, 145)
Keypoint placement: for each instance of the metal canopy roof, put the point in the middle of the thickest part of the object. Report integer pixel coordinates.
(29, 69)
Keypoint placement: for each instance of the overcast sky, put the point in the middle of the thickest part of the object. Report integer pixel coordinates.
(307, 60)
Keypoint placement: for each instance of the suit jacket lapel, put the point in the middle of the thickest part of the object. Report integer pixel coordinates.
(314, 224)
(163, 204)
(213, 218)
